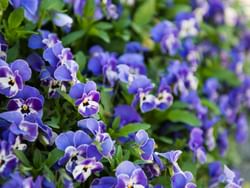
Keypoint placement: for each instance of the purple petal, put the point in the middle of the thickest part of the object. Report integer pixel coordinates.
(76, 91)
(64, 140)
(22, 67)
(62, 73)
(141, 137)
(89, 86)
(126, 167)
(80, 138)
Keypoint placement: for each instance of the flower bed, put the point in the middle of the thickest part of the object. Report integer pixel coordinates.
(123, 94)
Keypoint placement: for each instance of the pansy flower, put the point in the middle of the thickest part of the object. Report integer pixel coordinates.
(85, 168)
(74, 144)
(103, 144)
(18, 126)
(187, 24)
(196, 144)
(30, 8)
(179, 179)
(141, 86)
(166, 34)
(86, 98)
(104, 182)
(13, 76)
(62, 20)
(28, 101)
(146, 145)
(8, 160)
(130, 175)
(164, 97)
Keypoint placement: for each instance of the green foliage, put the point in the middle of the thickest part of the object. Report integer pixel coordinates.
(131, 128)
(183, 116)
(145, 13)
(16, 18)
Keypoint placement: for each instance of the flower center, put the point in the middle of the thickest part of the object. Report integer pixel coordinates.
(85, 102)
(11, 82)
(25, 109)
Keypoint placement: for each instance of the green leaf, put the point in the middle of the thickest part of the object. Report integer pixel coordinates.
(180, 105)
(184, 117)
(131, 128)
(116, 123)
(222, 74)
(13, 52)
(89, 9)
(3, 4)
(104, 25)
(22, 157)
(211, 106)
(66, 97)
(145, 12)
(72, 37)
(37, 158)
(119, 154)
(100, 34)
(48, 173)
(53, 156)
(16, 17)
(52, 5)
(81, 60)
(54, 122)
(106, 100)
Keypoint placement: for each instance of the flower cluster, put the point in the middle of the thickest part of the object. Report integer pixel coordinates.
(123, 94)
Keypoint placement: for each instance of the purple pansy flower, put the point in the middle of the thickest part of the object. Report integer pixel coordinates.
(146, 145)
(85, 168)
(210, 88)
(241, 134)
(181, 77)
(135, 47)
(104, 182)
(103, 63)
(187, 24)
(130, 175)
(30, 8)
(28, 101)
(196, 144)
(8, 160)
(74, 144)
(86, 98)
(222, 142)
(80, 155)
(215, 12)
(19, 181)
(127, 114)
(164, 98)
(179, 179)
(13, 76)
(3, 48)
(62, 20)
(105, 145)
(141, 86)
(25, 128)
(166, 34)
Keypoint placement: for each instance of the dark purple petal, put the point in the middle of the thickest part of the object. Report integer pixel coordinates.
(139, 177)
(36, 62)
